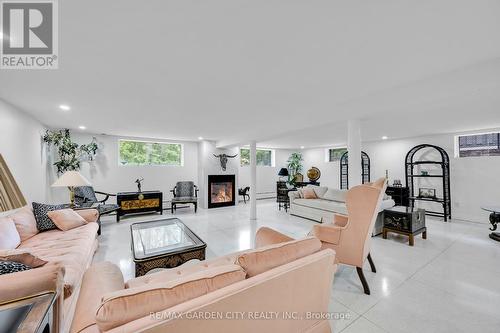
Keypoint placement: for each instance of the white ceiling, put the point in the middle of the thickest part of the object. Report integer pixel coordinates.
(285, 73)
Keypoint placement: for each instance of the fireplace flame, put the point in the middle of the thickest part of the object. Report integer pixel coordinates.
(221, 193)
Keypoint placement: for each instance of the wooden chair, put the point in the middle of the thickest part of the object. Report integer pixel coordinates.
(185, 193)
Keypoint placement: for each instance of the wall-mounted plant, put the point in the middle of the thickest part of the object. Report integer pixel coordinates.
(70, 153)
(294, 166)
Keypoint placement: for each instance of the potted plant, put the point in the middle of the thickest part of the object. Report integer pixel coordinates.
(70, 153)
(294, 163)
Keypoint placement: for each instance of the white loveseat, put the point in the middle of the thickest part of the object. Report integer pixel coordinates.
(330, 201)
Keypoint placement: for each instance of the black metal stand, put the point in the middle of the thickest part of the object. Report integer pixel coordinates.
(443, 177)
(344, 170)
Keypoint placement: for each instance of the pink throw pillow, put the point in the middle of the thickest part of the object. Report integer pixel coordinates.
(66, 219)
(309, 193)
(9, 237)
(25, 223)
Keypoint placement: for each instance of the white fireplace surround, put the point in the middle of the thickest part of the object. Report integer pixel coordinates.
(209, 165)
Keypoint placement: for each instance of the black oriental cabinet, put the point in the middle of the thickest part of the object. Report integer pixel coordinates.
(139, 202)
(407, 221)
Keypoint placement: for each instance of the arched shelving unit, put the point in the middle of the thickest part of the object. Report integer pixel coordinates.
(344, 170)
(442, 176)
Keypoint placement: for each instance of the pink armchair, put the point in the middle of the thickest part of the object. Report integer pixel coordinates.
(350, 235)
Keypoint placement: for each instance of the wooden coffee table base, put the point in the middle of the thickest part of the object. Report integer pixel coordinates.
(411, 235)
(167, 261)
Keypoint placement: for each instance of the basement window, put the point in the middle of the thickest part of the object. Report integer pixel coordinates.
(265, 157)
(334, 154)
(142, 153)
(484, 144)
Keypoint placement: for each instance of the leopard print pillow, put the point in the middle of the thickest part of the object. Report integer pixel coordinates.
(7, 267)
(43, 222)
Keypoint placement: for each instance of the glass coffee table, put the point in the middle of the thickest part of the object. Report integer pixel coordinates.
(164, 243)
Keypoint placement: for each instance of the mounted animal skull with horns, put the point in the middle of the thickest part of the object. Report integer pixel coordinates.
(223, 160)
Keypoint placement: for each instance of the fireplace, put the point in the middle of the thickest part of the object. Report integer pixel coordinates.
(221, 191)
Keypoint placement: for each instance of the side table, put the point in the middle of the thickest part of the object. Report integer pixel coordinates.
(409, 221)
(30, 315)
(494, 220)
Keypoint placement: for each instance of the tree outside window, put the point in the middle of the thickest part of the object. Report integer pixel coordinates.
(264, 157)
(138, 153)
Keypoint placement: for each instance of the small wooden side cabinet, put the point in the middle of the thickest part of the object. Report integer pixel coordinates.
(139, 202)
(409, 221)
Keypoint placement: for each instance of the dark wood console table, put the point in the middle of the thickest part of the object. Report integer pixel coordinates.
(304, 184)
(139, 202)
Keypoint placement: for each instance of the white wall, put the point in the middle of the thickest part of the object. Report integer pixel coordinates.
(21, 147)
(266, 176)
(330, 171)
(474, 180)
(107, 175)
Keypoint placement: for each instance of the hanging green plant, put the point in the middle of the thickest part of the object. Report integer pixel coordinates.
(294, 166)
(70, 153)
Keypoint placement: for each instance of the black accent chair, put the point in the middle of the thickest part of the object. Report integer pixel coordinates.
(85, 197)
(185, 193)
(244, 193)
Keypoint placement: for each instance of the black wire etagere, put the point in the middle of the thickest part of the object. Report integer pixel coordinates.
(344, 170)
(443, 176)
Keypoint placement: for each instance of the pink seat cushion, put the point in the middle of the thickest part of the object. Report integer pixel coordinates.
(9, 237)
(70, 249)
(66, 219)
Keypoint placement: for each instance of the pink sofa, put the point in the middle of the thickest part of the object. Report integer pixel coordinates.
(69, 254)
(283, 286)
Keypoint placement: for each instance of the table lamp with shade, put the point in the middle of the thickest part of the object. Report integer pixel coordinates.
(283, 173)
(71, 179)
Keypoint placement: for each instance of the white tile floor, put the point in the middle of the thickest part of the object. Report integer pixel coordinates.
(447, 283)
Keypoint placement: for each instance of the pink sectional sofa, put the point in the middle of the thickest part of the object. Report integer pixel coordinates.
(68, 253)
(283, 286)
(289, 280)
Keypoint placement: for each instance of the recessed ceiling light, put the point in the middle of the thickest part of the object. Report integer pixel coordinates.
(200, 138)
(302, 147)
(82, 127)
(384, 138)
(64, 107)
